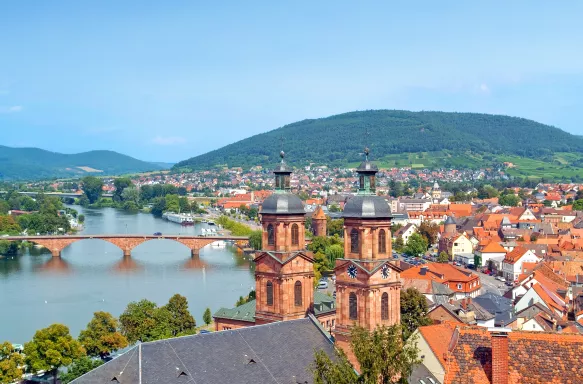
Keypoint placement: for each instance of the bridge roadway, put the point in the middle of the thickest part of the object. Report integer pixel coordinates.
(125, 242)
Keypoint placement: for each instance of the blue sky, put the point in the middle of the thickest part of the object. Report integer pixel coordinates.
(167, 80)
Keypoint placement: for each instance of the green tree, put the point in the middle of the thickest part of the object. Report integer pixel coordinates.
(578, 205)
(92, 188)
(416, 245)
(172, 203)
(80, 367)
(443, 257)
(333, 252)
(131, 194)
(255, 239)
(8, 247)
(509, 200)
(102, 336)
(137, 321)
(207, 316)
(382, 355)
(334, 208)
(413, 311)
(181, 321)
(8, 226)
(335, 227)
(81, 218)
(399, 245)
(184, 204)
(4, 207)
(52, 348)
(319, 244)
(11, 364)
(120, 184)
(158, 206)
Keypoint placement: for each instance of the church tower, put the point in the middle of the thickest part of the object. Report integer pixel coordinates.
(367, 285)
(319, 222)
(284, 273)
(436, 193)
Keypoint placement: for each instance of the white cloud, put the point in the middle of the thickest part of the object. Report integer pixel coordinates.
(169, 140)
(484, 88)
(11, 109)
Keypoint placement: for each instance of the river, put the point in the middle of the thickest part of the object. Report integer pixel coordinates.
(92, 275)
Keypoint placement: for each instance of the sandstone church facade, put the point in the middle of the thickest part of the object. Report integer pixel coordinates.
(367, 284)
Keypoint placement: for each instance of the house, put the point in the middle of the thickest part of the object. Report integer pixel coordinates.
(464, 311)
(538, 293)
(243, 355)
(458, 246)
(512, 263)
(461, 283)
(405, 232)
(432, 342)
(491, 255)
(501, 307)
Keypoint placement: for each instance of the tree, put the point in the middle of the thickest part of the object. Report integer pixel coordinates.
(333, 252)
(131, 194)
(578, 205)
(92, 188)
(416, 245)
(172, 203)
(399, 244)
(207, 317)
(52, 348)
(429, 231)
(8, 226)
(413, 311)
(81, 218)
(181, 321)
(509, 200)
(255, 240)
(138, 320)
(120, 184)
(101, 337)
(443, 257)
(319, 244)
(382, 355)
(11, 363)
(334, 208)
(80, 367)
(4, 207)
(158, 206)
(335, 227)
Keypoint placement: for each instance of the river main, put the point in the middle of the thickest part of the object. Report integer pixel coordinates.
(92, 275)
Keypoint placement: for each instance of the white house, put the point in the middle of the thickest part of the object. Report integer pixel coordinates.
(538, 293)
(492, 255)
(405, 232)
(512, 263)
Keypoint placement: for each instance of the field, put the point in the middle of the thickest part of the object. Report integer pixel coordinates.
(561, 166)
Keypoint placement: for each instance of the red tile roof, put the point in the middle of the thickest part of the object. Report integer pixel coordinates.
(515, 255)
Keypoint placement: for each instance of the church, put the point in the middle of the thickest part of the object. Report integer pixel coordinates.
(272, 339)
(367, 284)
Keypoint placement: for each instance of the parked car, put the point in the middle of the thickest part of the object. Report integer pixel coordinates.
(157, 233)
(322, 285)
(500, 278)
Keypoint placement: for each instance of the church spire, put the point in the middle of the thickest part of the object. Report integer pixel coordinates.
(366, 176)
(282, 176)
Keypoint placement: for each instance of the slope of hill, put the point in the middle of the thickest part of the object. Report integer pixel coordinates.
(35, 163)
(474, 138)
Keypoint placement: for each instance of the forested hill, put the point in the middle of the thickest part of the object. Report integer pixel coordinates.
(35, 163)
(339, 140)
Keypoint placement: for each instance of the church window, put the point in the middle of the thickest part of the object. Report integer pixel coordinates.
(295, 234)
(298, 293)
(354, 241)
(270, 235)
(269, 293)
(382, 241)
(352, 306)
(385, 306)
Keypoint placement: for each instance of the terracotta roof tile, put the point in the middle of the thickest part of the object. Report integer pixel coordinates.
(438, 337)
(493, 247)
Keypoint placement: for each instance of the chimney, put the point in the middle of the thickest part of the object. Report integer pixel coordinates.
(499, 355)
(423, 270)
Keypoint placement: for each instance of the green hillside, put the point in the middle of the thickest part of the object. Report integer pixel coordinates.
(403, 138)
(35, 163)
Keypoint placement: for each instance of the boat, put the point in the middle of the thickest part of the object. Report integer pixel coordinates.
(179, 218)
(210, 222)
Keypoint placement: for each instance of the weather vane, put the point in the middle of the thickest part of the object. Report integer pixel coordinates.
(366, 150)
(281, 153)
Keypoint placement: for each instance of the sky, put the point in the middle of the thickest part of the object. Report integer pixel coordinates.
(168, 80)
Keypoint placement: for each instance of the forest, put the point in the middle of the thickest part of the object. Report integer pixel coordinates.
(339, 140)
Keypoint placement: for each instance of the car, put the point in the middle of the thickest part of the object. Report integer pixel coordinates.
(500, 278)
(510, 284)
(322, 285)
(204, 331)
(157, 233)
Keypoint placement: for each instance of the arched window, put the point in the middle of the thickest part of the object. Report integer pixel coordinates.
(295, 234)
(298, 293)
(382, 241)
(354, 241)
(385, 306)
(270, 235)
(352, 306)
(269, 293)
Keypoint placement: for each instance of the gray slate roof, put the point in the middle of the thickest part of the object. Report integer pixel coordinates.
(367, 207)
(273, 353)
(283, 204)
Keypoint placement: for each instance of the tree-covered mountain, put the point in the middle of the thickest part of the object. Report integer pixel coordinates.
(340, 139)
(35, 163)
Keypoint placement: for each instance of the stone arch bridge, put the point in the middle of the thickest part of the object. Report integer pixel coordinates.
(125, 242)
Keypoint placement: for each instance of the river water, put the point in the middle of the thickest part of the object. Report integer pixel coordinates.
(37, 290)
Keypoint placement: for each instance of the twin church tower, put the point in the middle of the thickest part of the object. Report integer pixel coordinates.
(367, 285)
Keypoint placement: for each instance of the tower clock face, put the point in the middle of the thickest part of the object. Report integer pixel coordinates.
(352, 271)
(385, 271)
